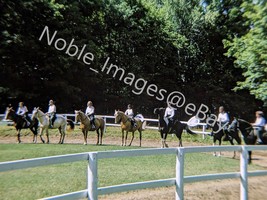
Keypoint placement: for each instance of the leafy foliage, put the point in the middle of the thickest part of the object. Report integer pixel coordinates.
(175, 44)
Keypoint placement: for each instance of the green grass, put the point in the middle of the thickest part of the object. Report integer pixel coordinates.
(52, 180)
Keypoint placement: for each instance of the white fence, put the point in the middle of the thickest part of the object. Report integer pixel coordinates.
(108, 119)
(92, 192)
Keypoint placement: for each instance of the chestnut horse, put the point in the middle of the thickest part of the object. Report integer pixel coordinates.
(86, 126)
(127, 126)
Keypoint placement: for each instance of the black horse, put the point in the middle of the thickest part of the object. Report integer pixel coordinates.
(21, 123)
(249, 136)
(227, 134)
(175, 127)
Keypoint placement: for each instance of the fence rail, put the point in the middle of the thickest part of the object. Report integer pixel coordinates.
(93, 191)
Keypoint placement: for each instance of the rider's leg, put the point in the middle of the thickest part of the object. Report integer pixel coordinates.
(92, 121)
(259, 132)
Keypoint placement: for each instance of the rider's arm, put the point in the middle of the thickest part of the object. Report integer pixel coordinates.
(90, 110)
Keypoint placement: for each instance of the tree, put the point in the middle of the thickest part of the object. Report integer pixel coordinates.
(250, 50)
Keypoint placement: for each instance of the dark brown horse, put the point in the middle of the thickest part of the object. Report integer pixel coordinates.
(21, 123)
(230, 134)
(249, 136)
(176, 127)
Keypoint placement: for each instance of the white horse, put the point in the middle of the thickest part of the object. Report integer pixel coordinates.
(60, 123)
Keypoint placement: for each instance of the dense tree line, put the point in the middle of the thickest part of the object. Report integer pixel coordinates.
(204, 49)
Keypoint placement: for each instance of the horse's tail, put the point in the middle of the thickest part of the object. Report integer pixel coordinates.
(102, 124)
(188, 130)
(71, 123)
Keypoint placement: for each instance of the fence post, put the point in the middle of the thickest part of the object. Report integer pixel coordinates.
(179, 181)
(92, 177)
(203, 130)
(243, 174)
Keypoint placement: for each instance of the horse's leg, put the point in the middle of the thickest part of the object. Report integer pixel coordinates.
(41, 134)
(47, 135)
(63, 134)
(60, 139)
(249, 157)
(32, 130)
(220, 143)
(18, 134)
(232, 143)
(140, 136)
(180, 141)
(214, 143)
(84, 137)
(164, 140)
(97, 142)
(122, 137)
(101, 135)
(131, 139)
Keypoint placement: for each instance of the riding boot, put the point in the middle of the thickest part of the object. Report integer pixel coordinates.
(93, 125)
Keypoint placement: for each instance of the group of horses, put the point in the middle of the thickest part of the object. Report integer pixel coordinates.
(41, 120)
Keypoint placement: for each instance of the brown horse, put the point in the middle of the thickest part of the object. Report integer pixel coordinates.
(127, 126)
(86, 126)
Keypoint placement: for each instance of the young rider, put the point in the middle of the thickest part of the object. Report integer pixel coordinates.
(23, 112)
(52, 112)
(129, 112)
(90, 112)
(259, 125)
(169, 116)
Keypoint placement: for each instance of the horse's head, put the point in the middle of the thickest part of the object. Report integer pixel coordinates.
(9, 113)
(35, 113)
(244, 127)
(159, 111)
(77, 116)
(118, 116)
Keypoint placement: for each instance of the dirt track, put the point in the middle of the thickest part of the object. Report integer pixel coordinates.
(220, 190)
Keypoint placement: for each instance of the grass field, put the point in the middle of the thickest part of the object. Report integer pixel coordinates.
(52, 180)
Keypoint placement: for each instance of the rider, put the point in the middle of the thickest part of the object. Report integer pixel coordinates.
(259, 125)
(223, 120)
(90, 112)
(23, 112)
(52, 112)
(169, 116)
(129, 112)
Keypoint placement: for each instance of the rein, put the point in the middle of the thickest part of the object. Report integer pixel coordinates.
(82, 119)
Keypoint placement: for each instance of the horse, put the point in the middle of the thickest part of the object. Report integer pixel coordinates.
(249, 137)
(60, 123)
(229, 134)
(175, 128)
(86, 126)
(127, 126)
(21, 123)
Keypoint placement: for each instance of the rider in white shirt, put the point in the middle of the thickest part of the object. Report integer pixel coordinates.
(168, 115)
(90, 112)
(129, 112)
(259, 125)
(52, 112)
(223, 117)
(23, 112)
